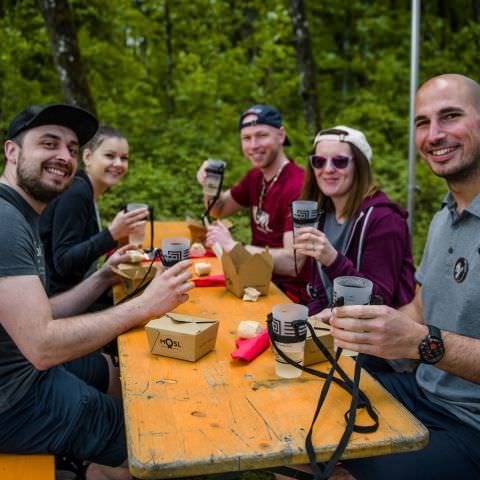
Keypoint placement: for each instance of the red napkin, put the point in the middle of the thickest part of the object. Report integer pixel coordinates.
(208, 253)
(249, 348)
(210, 281)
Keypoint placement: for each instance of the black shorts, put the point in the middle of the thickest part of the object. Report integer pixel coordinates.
(66, 413)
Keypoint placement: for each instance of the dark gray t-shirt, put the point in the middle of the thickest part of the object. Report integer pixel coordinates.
(21, 253)
(337, 234)
(449, 275)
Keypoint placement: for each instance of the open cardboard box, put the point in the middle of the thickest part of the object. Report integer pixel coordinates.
(198, 231)
(181, 336)
(243, 269)
(312, 353)
(132, 276)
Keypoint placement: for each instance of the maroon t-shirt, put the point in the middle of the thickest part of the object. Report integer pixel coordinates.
(274, 219)
(268, 228)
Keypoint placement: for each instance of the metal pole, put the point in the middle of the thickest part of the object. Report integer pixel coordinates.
(414, 54)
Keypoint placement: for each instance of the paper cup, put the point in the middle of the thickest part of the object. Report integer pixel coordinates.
(214, 170)
(290, 330)
(353, 290)
(175, 250)
(304, 214)
(137, 237)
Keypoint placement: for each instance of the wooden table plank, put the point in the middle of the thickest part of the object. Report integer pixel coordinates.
(218, 415)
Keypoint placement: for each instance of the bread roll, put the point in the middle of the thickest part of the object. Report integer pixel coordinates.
(248, 329)
(202, 268)
(135, 256)
(197, 249)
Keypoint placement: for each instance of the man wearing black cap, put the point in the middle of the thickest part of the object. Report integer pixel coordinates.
(52, 387)
(267, 189)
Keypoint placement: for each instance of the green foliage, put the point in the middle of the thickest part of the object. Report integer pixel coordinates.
(225, 55)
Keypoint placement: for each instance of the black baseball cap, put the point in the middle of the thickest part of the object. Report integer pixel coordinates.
(266, 115)
(83, 123)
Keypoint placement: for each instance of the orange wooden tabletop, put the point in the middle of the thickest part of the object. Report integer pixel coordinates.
(219, 415)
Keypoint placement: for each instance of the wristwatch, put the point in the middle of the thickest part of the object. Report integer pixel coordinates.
(431, 348)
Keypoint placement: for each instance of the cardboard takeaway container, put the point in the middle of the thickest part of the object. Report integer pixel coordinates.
(133, 275)
(243, 269)
(312, 352)
(181, 336)
(198, 231)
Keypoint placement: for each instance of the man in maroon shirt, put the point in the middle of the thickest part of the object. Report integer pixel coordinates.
(267, 190)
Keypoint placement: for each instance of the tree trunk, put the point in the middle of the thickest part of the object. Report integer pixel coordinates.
(305, 64)
(66, 53)
(169, 59)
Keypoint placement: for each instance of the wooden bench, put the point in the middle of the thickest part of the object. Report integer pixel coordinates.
(27, 467)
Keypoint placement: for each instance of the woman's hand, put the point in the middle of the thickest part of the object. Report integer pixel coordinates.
(126, 223)
(314, 243)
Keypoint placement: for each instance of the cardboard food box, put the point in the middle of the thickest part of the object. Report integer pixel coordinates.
(133, 276)
(312, 352)
(198, 232)
(181, 336)
(243, 269)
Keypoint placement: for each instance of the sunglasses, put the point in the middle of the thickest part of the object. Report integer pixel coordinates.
(338, 161)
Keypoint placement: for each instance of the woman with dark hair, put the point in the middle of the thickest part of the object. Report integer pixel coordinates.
(70, 227)
(361, 231)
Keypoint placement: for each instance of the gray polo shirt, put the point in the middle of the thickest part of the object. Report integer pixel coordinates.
(449, 275)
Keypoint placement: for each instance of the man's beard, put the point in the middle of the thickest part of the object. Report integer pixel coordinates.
(464, 171)
(30, 182)
(270, 158)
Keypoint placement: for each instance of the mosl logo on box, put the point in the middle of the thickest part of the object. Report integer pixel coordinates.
(170, 343)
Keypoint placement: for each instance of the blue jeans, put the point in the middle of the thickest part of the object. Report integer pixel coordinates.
(67, 414)
(452, 452)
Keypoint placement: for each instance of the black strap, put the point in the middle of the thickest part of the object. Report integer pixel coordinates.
(359, 400)
(152, 243)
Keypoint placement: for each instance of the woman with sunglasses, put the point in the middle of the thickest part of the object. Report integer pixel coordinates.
(361, 231)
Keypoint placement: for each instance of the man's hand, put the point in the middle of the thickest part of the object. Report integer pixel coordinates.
(168, 289)
(219, 233)
(323, 317)
(202, 173)
(119, 256)
(377, 330)
(314, 243)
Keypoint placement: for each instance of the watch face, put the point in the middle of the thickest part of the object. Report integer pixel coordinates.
(431, 349)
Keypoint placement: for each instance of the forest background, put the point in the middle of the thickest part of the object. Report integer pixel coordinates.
(174, 76)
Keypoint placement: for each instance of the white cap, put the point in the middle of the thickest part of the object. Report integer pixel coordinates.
(348, 135)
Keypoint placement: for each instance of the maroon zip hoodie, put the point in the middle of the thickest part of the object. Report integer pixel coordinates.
(379, 249)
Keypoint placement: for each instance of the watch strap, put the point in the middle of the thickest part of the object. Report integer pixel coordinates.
(434, 331)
